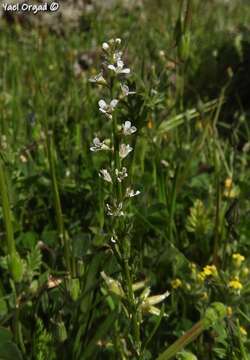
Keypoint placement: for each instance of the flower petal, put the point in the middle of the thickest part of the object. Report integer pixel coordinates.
(102, 104)
(113, 103)
(112, 67)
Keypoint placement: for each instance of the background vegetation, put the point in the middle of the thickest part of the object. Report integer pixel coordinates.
(188, 230)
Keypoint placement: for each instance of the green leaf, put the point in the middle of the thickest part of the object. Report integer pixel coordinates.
(102, 330)
(5, 335)
(34, 260)
(28, 239)
(9, 351)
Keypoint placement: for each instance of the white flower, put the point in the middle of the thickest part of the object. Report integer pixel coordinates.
(98, 145)
(119, 68)
(115, 210)
(105, 175)
(117, 56)
(122, 174)
(131, 193)
(125, 90)
(99, 79)
(118, 41)
(107, 109)
(128, 129)
(124, 150)
(105, 46)
(113, 240)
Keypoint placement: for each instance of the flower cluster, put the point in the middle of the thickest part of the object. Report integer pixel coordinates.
(208, 271)
(113, 78)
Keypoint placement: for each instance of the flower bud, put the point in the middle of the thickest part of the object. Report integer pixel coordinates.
(113, 285)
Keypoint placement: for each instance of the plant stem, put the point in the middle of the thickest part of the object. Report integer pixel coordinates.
(6, 212)
(57, 202)
(133, 310)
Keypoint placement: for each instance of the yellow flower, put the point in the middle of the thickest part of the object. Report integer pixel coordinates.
(210, 270)
(229, 311)
(204, 295)
(235, 284)
(228, 183)
(232, 192)
(176, 283)
(238, 259)
(201, 277)
(150, 124)
(243, 331)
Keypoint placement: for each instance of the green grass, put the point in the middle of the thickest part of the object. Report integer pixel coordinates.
(66, 291)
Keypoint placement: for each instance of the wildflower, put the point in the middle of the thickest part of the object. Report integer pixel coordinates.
(147, 305)
(176, 283)
(243, 331)
(23, 158)
(119, 68)
(105, 175)
(204, 295)
(238, 259)
(122, 174)
(150, 123)
(113, 285)
(118, 41)
(105, 46)
(99, 79)
(229, 311)
(117, 56)
(162, 54)
(124, 150)
(131, 193)
(228, 183)
(125, 90)
(139, 285)
(128, 129)
(98, 145)
(210, 270)
(107, 109)
(115, 210)
(230, 190)
(200, 277)
(235, 284)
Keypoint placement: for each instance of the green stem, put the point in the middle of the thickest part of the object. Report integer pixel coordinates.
(184, 340)
(10, 246)
(6, 212)
(133, 310)
(57, 202)
(217, 221)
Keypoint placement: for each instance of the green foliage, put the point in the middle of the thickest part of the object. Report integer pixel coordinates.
(43, 343)
(198, 221)
(66, 290)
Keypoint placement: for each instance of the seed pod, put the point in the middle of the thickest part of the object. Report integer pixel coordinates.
(114, 286)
